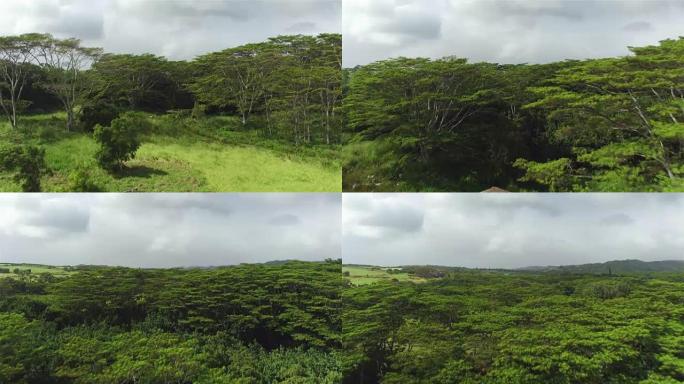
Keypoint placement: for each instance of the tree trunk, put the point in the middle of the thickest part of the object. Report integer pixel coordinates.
(424, 153)
(70, 119)
(327, 126)
(14, 115)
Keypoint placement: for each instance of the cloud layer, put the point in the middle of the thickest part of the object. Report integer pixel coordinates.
(168, 230)
(178, 29)
(505, 31)
(510, 230)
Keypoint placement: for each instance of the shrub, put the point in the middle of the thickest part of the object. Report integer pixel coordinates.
(27, 162)
(120, 141)
(48, 133)
(80, 180)
(101, 113)
(198, 111)
(609, 290)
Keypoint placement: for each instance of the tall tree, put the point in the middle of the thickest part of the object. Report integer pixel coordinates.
(233, 76)
(328, 80)
(130, 78)
(623, 118)
(17, 53)
(65, 62)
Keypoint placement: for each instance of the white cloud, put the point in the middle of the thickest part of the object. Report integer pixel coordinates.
(179, 29)
(164, 230)
(512, 230)
(505, 31)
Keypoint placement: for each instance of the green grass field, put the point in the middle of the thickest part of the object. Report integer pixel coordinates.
(36, 269)
(214, 160)
(362, 275)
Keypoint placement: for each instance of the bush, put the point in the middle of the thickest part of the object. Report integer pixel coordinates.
(101, 113)
(120, 141)
(48, 133)
(80, 180)
(609, 289)
(27, 162)
(198, 111)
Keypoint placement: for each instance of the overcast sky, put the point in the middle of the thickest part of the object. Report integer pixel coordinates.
(505, 31)
(178, 29)
(167, 230)
(510, 230)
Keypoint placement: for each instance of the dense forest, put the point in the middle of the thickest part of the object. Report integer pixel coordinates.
(79, 119)
(614, 124)
(615, 266)
(253, 323)
(489, 327)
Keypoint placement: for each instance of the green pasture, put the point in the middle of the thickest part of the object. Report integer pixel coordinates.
(35, 270)
(362, 275)
(181, 156)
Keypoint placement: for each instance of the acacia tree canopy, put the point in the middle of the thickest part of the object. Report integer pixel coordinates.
(611, 124)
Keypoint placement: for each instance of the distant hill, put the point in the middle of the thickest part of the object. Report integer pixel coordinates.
(616, 267)
(279, 262)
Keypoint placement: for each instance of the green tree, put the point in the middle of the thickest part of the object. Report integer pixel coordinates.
(65, 63)
(17, 53)
(120, 141)
(621, 117)
(131, 79)
(27, 162)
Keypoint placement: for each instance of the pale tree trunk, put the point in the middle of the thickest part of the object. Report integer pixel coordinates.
(327, 126)
(14, 101)
(14, 115)
(70, 120)
(15, 97)
(665, 161)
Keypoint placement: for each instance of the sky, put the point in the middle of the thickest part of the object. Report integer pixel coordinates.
(505, 31)
(168, 230)
(510, 230)
(177, 29)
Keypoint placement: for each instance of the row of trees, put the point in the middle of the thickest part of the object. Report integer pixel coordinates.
(495, 328)
(291, 85)
(608, 124)
(249, 323)
(294, 82)
(61, 63)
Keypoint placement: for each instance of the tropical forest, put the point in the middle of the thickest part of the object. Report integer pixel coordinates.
(620, 322)
(277, 322)
(612, 124)
(256, 117)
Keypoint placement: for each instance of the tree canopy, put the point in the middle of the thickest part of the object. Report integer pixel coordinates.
(253, 323)
(291, 85)
(594, 125)
(496, 327)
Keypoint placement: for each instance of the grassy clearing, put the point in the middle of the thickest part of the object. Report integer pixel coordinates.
(363, 275)
(244, 169)
(36, 269)
(181, 156)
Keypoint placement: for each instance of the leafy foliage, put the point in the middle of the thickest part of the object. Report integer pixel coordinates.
(494, 327)
(27, 162)
(259, 323)
(120, 140)
(293, 82)
(596, 125)
(284, 93)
